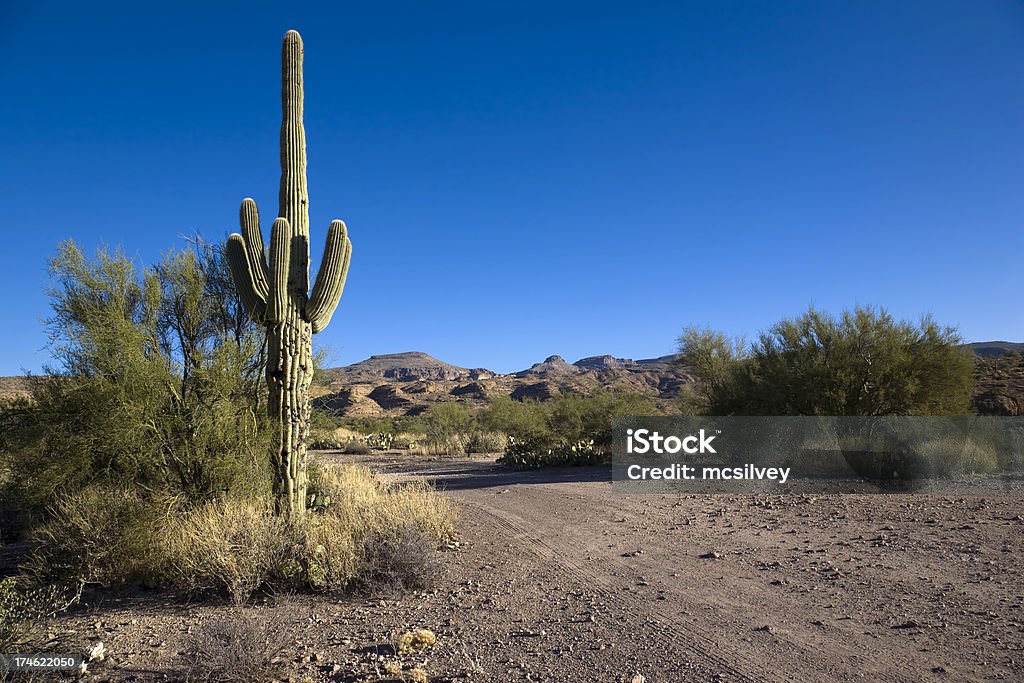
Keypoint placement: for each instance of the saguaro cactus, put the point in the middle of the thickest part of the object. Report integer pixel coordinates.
(276, 292)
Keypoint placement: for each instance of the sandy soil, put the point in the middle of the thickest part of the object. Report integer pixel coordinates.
(557, 578)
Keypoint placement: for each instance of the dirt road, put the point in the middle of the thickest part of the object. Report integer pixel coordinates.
(558, 578)
(738, 588)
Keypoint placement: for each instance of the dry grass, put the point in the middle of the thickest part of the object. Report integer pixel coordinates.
(374, 533)
(241, 647)
(235, 546)
(368, 534)
(95, 536)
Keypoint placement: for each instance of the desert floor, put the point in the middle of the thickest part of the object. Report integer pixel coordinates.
(558, 578)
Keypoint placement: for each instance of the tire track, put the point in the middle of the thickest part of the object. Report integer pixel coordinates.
(709, 649)
(740, 663)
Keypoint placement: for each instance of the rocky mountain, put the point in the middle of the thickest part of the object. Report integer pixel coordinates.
(408, 383)
(552, 365)
(999, 388)
(403, 367)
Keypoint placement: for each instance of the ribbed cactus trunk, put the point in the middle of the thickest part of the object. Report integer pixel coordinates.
(276, 292)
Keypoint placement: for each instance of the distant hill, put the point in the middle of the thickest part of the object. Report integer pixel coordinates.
(408, 383)
(996, 348)
(405, 367)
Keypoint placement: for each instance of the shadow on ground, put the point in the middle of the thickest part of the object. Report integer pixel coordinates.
(476, 473)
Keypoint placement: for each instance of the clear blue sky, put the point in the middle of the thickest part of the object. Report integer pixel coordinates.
(529, 178)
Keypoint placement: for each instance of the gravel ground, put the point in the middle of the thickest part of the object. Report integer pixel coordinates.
(558, 578)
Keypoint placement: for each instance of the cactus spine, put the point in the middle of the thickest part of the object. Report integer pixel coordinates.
(276, 291)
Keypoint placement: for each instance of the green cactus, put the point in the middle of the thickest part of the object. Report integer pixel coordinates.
(276, 292)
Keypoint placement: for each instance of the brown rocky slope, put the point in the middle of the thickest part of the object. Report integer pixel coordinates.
(408, 383)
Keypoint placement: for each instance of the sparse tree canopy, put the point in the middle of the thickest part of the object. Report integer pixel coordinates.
(157, 383)
(863, 363)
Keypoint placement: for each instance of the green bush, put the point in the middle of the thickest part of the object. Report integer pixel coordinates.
(157, 387)
(574, 419)
(568, 430)
(145, 458)
(863, 363)
(522, 419)
(447, 427)
(480, 441)
(534, 454)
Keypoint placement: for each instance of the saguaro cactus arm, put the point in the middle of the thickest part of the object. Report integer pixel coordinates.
(249, 219)
(280, 255)
(247, 261)
(330, 280)
(238, 261)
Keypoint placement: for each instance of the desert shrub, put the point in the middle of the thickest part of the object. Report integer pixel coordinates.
(24, 612)
(99, 535)
(924, 448)
(145, 457)
(321, 419)
(533, 454)
(863, 363)
(330, 557)
(447, 427)
(522, 419)
(405, 441)
(401, 557)
(325, 442)
(356, 448)
(968, 457)
(577, 419)
(360, 532)
(372, 533)
(480, 441)
(365, 501)
(329, 432)
(333, 440)
(233, 547)
(568, 430)
(244, 646)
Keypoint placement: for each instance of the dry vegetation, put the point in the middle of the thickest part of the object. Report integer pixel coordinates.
(366, 534)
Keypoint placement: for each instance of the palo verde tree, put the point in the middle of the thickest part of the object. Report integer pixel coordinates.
(863, 363)
(276, 291)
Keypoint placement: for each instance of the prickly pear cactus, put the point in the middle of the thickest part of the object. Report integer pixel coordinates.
(276, 291)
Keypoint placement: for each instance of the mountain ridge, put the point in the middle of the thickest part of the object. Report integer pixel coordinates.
(408, 383)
